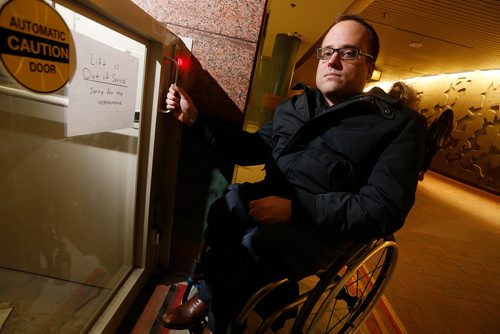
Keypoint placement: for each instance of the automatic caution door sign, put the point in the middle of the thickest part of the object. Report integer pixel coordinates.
(35, 45)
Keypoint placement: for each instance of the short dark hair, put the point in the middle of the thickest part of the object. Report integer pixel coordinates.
(374, 40)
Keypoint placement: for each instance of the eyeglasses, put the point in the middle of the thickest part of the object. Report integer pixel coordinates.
(344, 53)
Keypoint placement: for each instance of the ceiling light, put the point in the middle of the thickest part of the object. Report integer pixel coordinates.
(415, 45)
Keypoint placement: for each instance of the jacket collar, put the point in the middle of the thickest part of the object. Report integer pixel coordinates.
(314, 102)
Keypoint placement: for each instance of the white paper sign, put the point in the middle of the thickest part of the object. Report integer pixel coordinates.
(103, 90)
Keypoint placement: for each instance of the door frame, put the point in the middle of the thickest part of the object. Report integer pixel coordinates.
(150, 234)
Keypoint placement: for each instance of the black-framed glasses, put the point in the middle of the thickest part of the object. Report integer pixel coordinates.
(344, 53)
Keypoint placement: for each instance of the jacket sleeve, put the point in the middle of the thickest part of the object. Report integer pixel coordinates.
(383, 202)
(238, 146)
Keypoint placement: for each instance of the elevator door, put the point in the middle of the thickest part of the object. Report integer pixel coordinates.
(68, 186)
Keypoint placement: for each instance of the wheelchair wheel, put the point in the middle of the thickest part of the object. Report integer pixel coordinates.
(348, 290)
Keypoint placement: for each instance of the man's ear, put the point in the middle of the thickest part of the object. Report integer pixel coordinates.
(371, 68)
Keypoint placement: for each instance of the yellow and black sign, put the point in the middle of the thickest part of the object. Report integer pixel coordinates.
(35, 45)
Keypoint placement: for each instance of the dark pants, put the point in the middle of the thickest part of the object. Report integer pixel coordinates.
(243, 256)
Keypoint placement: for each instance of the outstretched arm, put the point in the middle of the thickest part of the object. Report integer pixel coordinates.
(240, 147)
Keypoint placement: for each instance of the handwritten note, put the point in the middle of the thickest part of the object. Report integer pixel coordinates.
(103, 90)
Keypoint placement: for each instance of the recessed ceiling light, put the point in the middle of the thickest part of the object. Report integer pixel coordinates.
(415, 45)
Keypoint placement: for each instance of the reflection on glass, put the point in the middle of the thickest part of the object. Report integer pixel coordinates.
(66, 203)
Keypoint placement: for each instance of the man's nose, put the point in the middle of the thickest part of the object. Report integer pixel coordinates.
(334, 59)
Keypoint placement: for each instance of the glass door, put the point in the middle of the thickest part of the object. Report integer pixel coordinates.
(73, 227)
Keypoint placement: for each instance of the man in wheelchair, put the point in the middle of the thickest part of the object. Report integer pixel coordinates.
(341, 166)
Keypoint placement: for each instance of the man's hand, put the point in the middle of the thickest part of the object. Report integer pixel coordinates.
(180, 104)
(271, 210)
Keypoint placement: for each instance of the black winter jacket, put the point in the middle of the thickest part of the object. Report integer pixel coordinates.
(351, 168)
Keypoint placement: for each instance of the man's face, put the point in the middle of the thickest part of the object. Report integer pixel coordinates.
(339, 79)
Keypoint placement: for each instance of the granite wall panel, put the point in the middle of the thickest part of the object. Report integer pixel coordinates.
(239, 19)
(220, 73)
(225, 34)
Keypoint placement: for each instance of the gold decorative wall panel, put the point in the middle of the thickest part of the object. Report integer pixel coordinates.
(472, 154)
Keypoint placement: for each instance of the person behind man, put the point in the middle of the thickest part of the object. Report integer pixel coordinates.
(341, 166)
(405, 94)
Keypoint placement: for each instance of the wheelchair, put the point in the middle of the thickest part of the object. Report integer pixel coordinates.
(337, 299)
(340, 297)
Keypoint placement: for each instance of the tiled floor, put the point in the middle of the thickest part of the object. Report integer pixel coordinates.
(448, 276)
